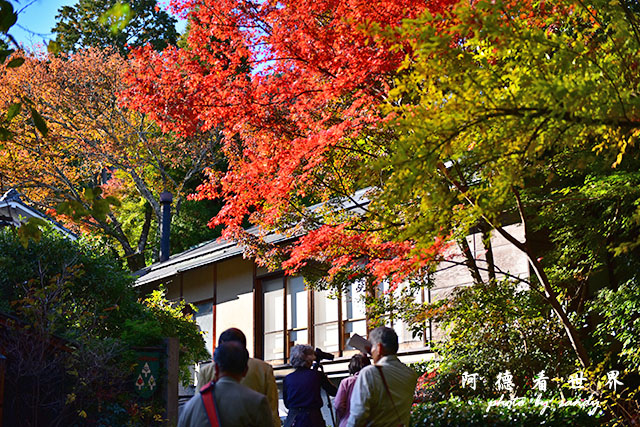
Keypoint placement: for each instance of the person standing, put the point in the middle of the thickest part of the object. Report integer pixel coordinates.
(226, 401)
(259, 377)
(301, 389)
(383, 392)
(343, 398)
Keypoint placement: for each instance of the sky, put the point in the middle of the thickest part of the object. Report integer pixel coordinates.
(37, 17)
(35, 20)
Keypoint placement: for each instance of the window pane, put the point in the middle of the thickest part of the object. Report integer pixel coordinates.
(273, 345)
(326, 322)
(358, 327)
(326, 337)
(273, 319)
(299, 337)
(204, 319)
(296, 303)
(353, 306)
(326, 309)
(273, 305)
(404, 334)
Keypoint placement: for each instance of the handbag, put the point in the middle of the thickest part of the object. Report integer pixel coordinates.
(386, 387)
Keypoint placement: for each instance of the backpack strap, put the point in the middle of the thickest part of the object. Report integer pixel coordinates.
(386, 387)
(207, 395)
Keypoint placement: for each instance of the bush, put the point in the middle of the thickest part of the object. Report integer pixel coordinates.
(71, 316)
(168, 319)
(527, 412)
(491, 328)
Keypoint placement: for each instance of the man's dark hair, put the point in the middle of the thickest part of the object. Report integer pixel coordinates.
(357, 362)
(385, 336)
(233, 334)
(231, 357)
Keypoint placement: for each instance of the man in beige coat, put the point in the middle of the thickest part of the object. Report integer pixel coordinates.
(259, 376)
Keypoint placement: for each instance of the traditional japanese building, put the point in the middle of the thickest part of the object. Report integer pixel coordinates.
(276, 311)
(14, 212)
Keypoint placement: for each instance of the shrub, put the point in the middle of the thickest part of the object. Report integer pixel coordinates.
(71, 316)
(457, 412)
(494, 327)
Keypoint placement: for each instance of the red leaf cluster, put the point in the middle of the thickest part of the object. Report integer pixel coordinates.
(294, 85)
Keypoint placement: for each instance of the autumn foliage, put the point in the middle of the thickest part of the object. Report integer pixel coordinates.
(99, 165)
(296, 88)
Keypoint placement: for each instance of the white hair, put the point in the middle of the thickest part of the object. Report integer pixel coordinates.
(299, 355)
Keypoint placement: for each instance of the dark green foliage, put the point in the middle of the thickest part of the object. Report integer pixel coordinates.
(460, 413)
(98, 293)
(491, 328)
(165, 319)
(620, 311)
(77, 319)
(190, 228)
(103, 23)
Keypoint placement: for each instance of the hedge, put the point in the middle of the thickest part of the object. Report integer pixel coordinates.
(517, 412)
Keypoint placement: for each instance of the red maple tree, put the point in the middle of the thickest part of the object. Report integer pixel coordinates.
(296, 86)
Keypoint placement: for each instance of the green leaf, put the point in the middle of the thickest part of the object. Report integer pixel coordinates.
(13, 110)
(4, 54)
(114, 201)
(72, 208)
(117, 17)
(39, 122)
(15, 63)
(30, 230)
(5, 134)
(7, 16)
(100, 209)
(53, 47)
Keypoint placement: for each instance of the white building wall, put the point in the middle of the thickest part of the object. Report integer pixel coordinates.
(235, 298)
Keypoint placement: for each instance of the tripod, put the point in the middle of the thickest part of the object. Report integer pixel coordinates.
(333, 419)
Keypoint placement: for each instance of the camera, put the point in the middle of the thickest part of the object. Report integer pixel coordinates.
(321, 355)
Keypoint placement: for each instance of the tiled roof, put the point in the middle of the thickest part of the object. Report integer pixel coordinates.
(220, 249)
(13, 211)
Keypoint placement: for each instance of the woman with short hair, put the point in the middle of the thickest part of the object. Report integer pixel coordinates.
(341, 402)
(301, 389)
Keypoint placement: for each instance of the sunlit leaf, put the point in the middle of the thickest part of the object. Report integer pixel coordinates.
(13, 110)
(53, 47)
(117, 17)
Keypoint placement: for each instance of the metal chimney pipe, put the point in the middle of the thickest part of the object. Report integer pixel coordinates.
(165, 227)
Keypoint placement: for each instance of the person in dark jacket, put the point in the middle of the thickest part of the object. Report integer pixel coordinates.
(301, 390)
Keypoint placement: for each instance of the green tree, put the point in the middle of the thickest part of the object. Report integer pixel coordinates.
(527, 112)
(77, 316)
(113, 23)
(517, 111)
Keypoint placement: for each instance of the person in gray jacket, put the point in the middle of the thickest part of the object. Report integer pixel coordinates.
(236, 405)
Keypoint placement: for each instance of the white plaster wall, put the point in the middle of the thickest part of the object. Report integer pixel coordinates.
(197, 286)
(235, 298)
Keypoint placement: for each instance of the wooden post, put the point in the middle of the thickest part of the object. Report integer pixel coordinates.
(172, 349)
(3, 366)
(214, 311)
